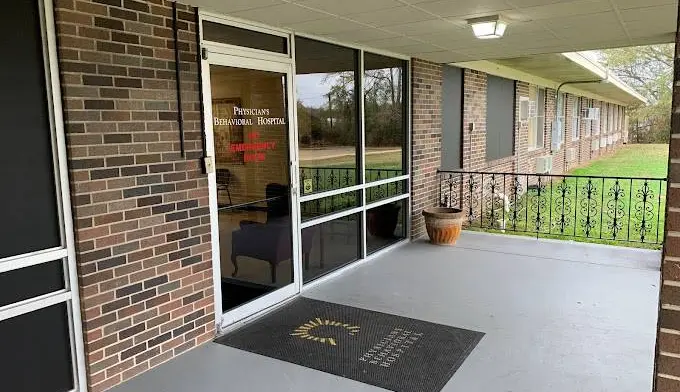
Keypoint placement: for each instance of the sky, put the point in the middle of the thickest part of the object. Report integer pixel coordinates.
(312, 90)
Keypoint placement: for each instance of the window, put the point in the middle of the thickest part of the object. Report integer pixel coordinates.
(588, 125)
(576, 119)
(500, 117)
(597, 120)
(558, 128)
(231, 35)
(615, 115)
(340, 205)
(536, 117)
(327, 78)
(385, 117)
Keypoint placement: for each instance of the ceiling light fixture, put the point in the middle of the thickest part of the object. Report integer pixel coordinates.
(488, 27)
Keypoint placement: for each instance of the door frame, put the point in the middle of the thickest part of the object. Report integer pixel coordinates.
(217, 55)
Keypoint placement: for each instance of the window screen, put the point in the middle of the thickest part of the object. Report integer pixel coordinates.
(500, 117)
(36, 353)
(29, 282)
(29, 218)
(452, 117)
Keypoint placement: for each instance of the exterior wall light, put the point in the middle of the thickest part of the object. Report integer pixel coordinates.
(488, 27)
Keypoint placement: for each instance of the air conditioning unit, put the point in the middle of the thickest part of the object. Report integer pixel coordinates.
(524, 109)
(610, 139)
(572, 154)
(591, 113)
(544, 164)
(603, 142)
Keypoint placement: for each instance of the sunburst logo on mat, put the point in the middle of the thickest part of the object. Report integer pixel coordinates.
(305, 330)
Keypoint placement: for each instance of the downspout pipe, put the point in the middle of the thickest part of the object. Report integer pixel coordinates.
(557, 94)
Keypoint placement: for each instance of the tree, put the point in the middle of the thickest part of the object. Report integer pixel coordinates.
(649, 70)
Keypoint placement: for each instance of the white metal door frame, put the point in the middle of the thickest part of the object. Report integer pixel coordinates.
(216, 57)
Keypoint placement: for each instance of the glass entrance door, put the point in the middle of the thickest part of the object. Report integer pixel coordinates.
(253, 205)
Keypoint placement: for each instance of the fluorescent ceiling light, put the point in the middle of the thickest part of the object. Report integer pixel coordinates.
(488, 27)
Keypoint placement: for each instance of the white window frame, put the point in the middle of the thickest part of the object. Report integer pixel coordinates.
(534, 104)
(238, 317)
(576, 119)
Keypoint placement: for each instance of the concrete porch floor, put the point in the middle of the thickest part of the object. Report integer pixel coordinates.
(558, 316)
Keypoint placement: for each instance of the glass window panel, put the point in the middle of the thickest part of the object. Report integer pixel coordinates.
(329, 205)
(28, 204)
(231, 35)
(386, 191)
(385, 116)
(331, 245)
(540, 118)
(252, 174)
(36, 351)
(385, 225)
(29, 282)
(326, 82)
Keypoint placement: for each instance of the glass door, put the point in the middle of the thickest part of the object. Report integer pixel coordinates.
(253, 200)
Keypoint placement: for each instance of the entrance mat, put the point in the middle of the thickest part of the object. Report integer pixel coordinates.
(388, 351)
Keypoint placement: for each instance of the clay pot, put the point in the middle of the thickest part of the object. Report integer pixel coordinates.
(443, 225)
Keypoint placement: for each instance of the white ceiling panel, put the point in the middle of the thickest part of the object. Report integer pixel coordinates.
(534, 3)
(346, 7)
(441, 57)
(393, 42)
(325, 26)
(233, 5)
(566, 9)
(626, 4)
(391, 16)
(363, 35)
(281, 15)
(448, 8)
(425, 27)
(651, 15)
(437, 29)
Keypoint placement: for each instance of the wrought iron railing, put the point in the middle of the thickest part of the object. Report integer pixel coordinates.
(581, 207)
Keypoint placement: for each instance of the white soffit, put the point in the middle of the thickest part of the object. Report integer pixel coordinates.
(535, 26)
(551, 70)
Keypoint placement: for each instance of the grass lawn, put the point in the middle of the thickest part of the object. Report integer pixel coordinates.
(616, 211)
(632, 160)
(384, 160)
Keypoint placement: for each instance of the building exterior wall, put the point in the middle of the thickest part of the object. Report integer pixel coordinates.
(426, 137)
(524, 159)
(667, 363)
(140, 208)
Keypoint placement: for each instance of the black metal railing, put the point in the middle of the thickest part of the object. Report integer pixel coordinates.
(628, 209)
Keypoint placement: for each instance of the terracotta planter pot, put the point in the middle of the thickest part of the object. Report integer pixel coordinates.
(443, 225)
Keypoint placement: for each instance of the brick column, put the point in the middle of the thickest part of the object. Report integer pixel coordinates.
(426, 140)
(141, 215)
(667, 365)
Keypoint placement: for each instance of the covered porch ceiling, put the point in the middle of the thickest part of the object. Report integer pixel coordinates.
(436, 30)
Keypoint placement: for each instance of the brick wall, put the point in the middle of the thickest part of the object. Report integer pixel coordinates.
(524, 159)
(426, 140)
(667, 363)
(141, 210)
